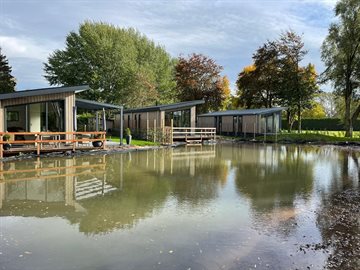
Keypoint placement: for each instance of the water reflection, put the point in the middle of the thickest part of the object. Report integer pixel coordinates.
(202, 207)
(103, 193)
(339, 217)
(274, 176)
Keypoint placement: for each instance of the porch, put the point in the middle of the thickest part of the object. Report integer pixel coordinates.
(189, 135)
(46, 142)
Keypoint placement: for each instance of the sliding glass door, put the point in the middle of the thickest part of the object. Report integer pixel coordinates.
(35, 117)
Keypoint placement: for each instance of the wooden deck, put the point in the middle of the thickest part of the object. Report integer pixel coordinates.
(191, 135)
(46, 142)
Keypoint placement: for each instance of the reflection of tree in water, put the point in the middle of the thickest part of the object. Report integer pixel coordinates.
(339, 217)
(123, 209)
(194, 175)
(148, 179)
(273, 178)
(276, 183)
(201, 187)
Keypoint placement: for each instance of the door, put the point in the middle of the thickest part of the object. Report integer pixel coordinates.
(35, 117)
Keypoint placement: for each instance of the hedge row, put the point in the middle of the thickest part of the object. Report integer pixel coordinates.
(331, 124)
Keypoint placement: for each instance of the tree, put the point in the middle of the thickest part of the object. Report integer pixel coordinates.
(317, 110)
(298, 84)
(276, 78)
(329, 101)
(121, 66)
(225, 93)
(198, 77)
(258, 83)
(246, 84)
(7, 81)
(340, 52)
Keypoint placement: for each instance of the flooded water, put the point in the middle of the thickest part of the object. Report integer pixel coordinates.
(201, 207)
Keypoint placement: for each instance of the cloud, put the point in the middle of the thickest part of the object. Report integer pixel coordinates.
(226, 30)
(25, 47)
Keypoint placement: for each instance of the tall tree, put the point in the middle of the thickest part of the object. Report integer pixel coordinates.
(225, 93)
(341, 54)
(248, 93)
(198, 77)
(298, 84)
(329, 101)
(258, 84)
(121, 66)
(7, 81)
(276, 78)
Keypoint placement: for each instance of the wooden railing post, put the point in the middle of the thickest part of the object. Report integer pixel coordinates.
(74, 141)
(38, 146)
(171, 132)
(1, 146)
(103, 136)
(154, 130)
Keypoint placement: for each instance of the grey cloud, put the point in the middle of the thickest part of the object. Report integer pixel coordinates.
(228, 31)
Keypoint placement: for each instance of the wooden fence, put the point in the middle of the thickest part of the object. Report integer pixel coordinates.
(190, 134)
(56, 141)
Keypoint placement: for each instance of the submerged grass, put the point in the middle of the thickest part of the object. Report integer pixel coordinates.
(134, 142)
(332, 137)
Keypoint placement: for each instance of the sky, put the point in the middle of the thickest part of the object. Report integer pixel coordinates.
(228, 31)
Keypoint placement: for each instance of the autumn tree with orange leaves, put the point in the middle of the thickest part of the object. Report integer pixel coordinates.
(198, 77)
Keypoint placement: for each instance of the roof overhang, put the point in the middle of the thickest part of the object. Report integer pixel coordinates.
(264, 111)
(167, 107)
(94, 105)
(44, 91)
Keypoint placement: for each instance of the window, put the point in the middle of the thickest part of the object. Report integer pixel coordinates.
(12, 116)
(180, 118)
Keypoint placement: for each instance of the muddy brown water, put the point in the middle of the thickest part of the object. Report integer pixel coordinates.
(200, 207)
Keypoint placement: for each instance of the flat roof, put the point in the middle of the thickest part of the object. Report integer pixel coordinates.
(44, 91)
(94, 105)
(167, 107)
(244, 112)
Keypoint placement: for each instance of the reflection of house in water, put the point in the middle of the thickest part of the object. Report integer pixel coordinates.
(105, 193)
(52, 182)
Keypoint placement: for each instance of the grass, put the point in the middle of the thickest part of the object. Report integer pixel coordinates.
(311, 136)
(134, 142)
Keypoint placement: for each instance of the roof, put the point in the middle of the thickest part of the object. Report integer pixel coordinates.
(244, 112)
(167, 107)
(94, 105)
(44, 91)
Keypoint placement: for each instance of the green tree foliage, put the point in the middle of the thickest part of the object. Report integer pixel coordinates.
(248, 92)
(330, 103)
(341, 54)
(121, 66)
(317, 111)
(198, 77)
(224, 87)
(276, 78)
(7, 81)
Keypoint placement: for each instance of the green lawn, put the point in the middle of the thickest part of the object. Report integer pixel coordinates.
(356, 134)
(313, 136)
(134, 142)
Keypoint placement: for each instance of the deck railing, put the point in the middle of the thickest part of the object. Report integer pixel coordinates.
(191, 134)
(59, 140)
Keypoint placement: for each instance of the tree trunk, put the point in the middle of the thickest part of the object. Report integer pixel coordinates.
(299, 118)
(288, 120)
(355, 115)
(348, 122)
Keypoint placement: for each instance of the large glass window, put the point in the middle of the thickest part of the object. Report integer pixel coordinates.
(44, 116)
(180, 118)
(55, 116)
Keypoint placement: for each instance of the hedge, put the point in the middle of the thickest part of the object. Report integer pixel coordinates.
(331, 124)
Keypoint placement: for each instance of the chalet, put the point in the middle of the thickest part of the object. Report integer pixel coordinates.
(36, 117)
(182, 114)
(235, 122)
